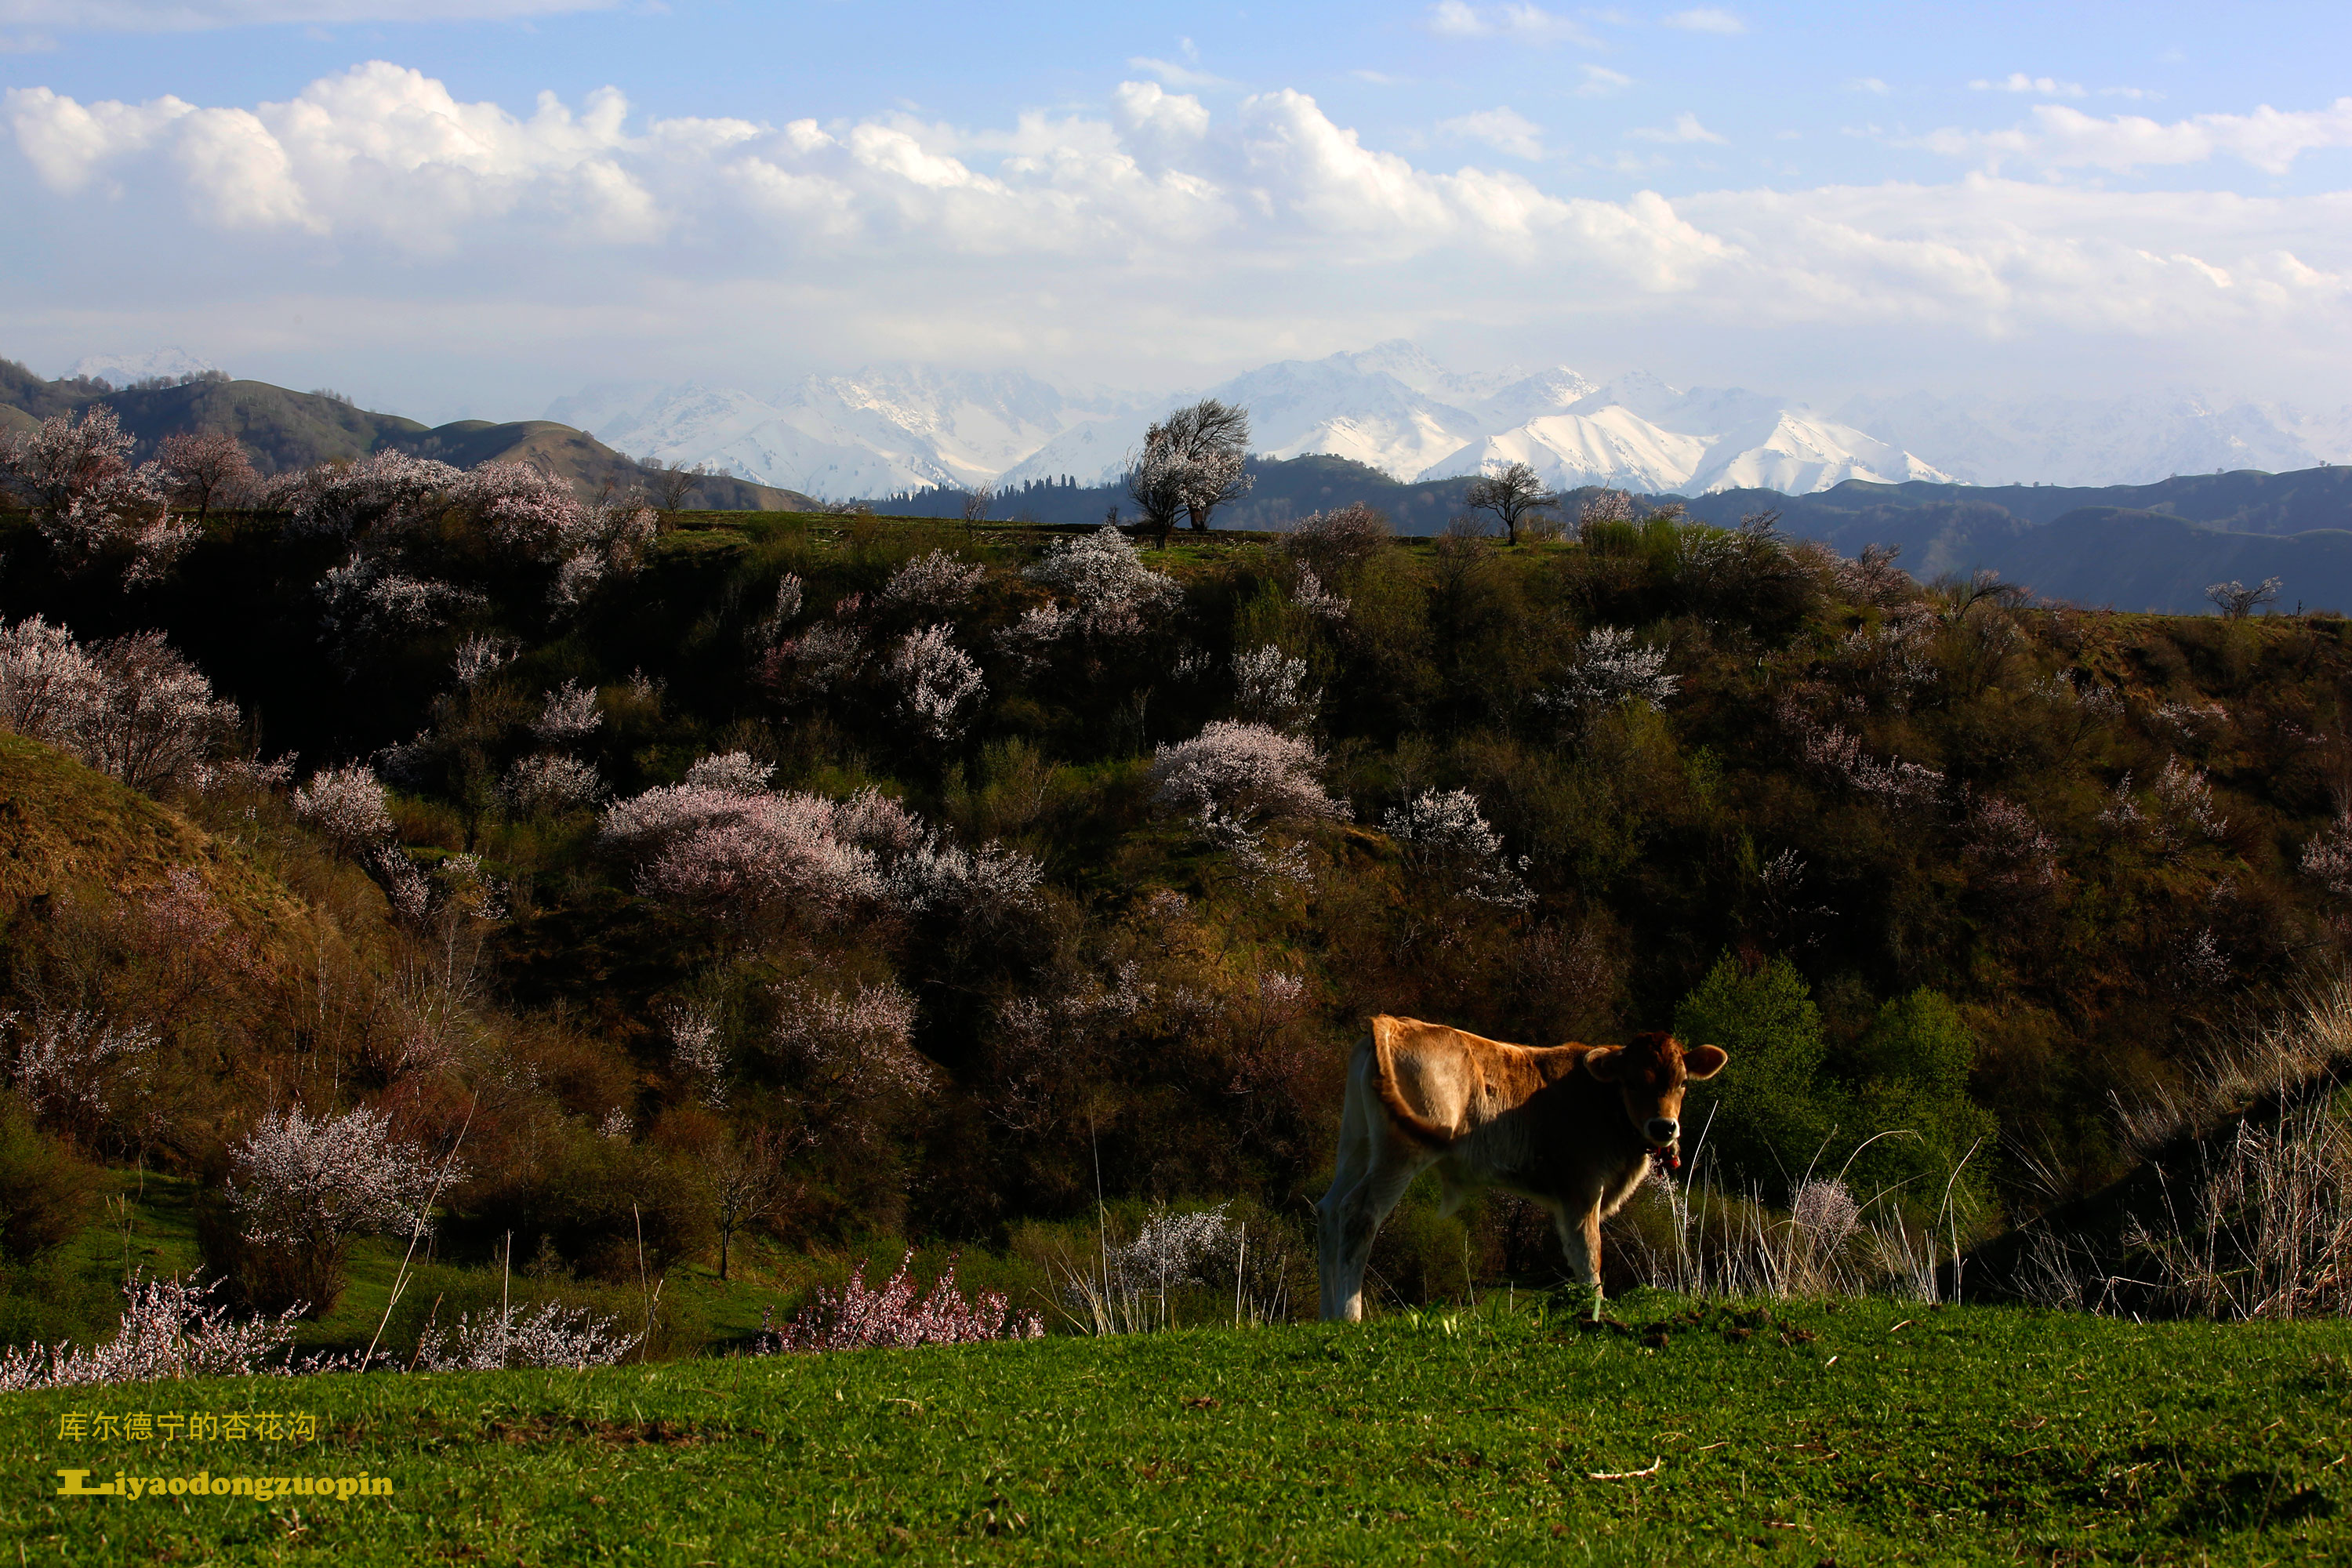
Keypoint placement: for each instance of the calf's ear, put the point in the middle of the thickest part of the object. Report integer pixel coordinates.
(1705, 1061)
(1605, 1062)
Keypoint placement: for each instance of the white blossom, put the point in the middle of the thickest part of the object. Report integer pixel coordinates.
(1446, 834)
(1270, 687)
(937, 581)
(1106, 588)
(937, 681)
(552, 1336)
(569, 716)
(552, 779)
(482, 655)
(699, 1048)
(346, 805)
(303, 1181)
(860, 1043)
(1612, 669)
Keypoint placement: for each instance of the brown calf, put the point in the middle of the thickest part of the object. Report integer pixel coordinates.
(1573, 1127)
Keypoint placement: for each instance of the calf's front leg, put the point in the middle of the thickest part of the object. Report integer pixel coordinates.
(1580, 1237)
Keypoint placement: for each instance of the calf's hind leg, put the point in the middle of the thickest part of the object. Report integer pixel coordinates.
(1350, 1223)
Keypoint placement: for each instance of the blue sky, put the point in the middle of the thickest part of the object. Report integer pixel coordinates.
(1820, 199)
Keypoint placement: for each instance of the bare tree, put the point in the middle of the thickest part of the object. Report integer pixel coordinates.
(204, 466)
(675, 483)
(747, 1178)
(975, 506)
(2236, 601)
(1510, 495)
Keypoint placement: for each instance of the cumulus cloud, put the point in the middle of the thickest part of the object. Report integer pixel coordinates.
(1600, 79)
(1707, 19)
(1501, 129)
(1868, 84)
(1153, 223)
(2057, 137)
(189, 15)
(1525, 24)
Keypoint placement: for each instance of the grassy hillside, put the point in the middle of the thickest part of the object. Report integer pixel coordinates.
(1807, 1435)
(282, 430)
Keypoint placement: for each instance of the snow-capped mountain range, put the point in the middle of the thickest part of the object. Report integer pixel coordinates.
(1395, 408)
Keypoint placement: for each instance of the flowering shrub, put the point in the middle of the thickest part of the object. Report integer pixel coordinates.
(1107, 589)
(367, 598)
(347, 500)
(1841, 754)
(1611, 669)
(1329, 543)
(1171, 1248)
(552, 779)
(828, 655)
(860, 1046)
(570, 715)
(347, 806)
(168, 1331)
(937, 581)
(732, 772)
(1873, 578)
(2329, 855)
(133, 708)
(553, 1336)
(1270, 687)
(936, 680)
(314, 1183)
(67, 1064)
(981, 887)
(1242, 775)
(860, 1317)
(479, 655)
(1445, 834)
(50, 688)
(698, 1049)
(90, 503)
(2007, 845)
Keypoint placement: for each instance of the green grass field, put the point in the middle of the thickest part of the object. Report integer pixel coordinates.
(1864, 1431)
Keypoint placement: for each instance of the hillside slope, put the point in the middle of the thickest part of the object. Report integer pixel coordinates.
(64, 826)
(282, 430)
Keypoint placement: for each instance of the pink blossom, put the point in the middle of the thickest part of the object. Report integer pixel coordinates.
(858, 1317)
(168, 1331)
(861, 1046)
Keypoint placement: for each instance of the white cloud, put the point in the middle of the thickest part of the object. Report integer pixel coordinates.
(190, 16)
(1685, 129)
(1868, 84)
(1525, 24)
(1501, 129)
(410, 222)
(2057, 137)
(2018, 81)
(1707, 19)
(1175, 74)
(1600, 79)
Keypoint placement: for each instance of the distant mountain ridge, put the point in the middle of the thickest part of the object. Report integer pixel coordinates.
(894, 429)
(283, 430)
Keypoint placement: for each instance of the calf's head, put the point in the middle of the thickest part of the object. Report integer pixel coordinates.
(1649, 1074)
